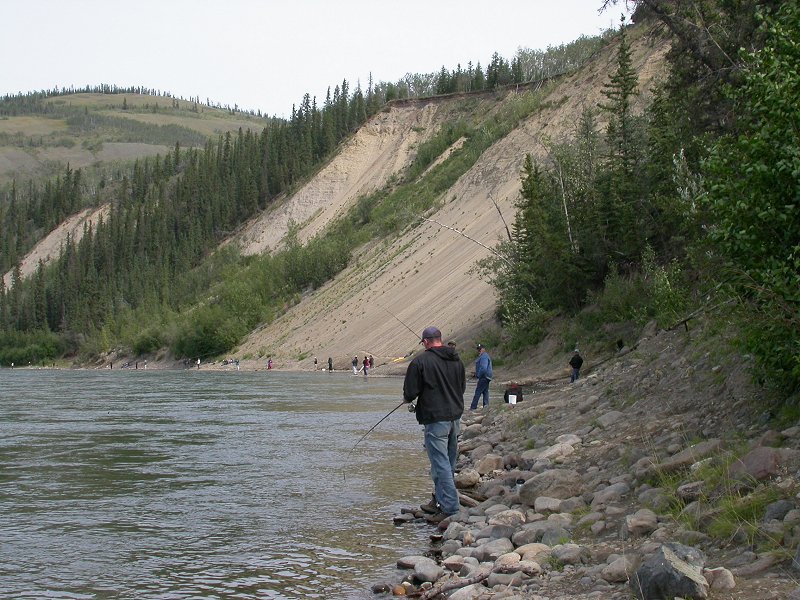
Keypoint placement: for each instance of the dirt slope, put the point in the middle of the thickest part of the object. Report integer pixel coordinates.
(426, 277)
(381, 148)
(48, 248)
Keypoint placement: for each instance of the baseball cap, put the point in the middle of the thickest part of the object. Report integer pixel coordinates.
(479, 346)
(430, 333)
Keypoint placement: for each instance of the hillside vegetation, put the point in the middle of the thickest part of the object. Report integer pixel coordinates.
(102, 133)
(489, 211)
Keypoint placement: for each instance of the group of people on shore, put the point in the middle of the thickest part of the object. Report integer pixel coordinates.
(366, 365)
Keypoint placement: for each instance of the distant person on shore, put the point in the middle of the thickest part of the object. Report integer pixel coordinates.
(198, 364)
(330, 364)
(484, 374)
(269, 364)
(315, 363)
(513, 394)
(365, 365)
(436, 379)
(355, 365)
(575, 362)
(371, 362)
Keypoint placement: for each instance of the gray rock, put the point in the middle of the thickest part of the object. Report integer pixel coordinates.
(655, 498)
(491, 551)
(778, 510)
(573, 504)
(568, 438)
(664, 575)
(598, 527)
(427, 570)
(469, 592)
(531, 533)
(618, 570)
(589, 519)
(569, 554)
(495, 532)
(608, 419)
(644, 467)
(409, 562)
(557, 451)
(691, 455)
(719, 579)
(537, 433)
(555, 483)
(472, 431)
(689, 492)
(642, 522)
(450, 547)
(555, 535)
(481, 451)
(453, 563)
(612, 493)
(544, 504)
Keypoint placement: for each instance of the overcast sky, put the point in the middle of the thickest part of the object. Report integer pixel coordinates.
(264, 55)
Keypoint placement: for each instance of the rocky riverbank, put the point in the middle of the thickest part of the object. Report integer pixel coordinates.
(655, 475)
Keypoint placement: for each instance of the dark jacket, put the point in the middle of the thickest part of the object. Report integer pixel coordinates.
(576, 361)
(436, 379)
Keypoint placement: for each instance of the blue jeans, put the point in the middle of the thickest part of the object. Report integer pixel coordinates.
(575, 374)
(441, 443)
(482, 389)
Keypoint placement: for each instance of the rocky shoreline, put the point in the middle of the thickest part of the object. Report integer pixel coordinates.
(602, 489)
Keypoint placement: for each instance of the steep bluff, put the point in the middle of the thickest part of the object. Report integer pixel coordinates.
(425, 276)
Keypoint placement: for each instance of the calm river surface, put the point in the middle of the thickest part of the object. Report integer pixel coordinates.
(203, 484)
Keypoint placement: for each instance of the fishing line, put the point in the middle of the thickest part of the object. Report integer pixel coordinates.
(411, 407)
(371, 429)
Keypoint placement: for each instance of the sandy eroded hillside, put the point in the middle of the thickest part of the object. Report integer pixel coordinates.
(426, 276)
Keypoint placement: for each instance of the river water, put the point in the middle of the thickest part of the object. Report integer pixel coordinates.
(201, 484)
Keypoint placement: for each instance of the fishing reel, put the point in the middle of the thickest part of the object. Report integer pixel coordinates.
(412, 407)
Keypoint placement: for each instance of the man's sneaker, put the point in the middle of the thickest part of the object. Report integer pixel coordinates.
(431, 507)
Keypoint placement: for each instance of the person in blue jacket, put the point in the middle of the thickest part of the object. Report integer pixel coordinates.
(484, 374)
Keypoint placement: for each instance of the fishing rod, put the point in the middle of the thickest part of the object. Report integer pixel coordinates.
(411, 406)
(400, 321)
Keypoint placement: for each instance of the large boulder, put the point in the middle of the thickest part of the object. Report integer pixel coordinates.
(554, 483)
(665, 575)
(762, 463)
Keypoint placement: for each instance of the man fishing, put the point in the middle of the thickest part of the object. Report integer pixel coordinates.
(436, 379)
